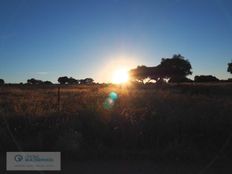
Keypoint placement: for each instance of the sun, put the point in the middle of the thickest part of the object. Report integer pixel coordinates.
(120, 76)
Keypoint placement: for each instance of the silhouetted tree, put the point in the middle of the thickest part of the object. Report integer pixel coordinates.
(180, 79)
(63, 80)
(206, 78)
(86, 81)
(89, 81)
(34, 81)
(175, 68)
(140, 73)
(2, 82)
(47, 83)
(229, 69)
(72, 81)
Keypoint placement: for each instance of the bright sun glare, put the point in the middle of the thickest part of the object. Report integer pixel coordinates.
(120, 76)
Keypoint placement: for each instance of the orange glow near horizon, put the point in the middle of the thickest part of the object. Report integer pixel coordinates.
(116, 68)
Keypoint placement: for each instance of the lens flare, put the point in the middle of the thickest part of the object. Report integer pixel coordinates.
(113, 96)
(110, 100)
(108, 104)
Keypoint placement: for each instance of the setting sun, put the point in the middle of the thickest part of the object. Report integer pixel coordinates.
(120, 76)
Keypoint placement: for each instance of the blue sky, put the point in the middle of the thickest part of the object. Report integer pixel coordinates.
(46, 39)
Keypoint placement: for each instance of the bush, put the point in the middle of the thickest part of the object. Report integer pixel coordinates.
(206, 78)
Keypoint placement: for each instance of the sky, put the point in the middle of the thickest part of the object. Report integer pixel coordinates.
(46, 39)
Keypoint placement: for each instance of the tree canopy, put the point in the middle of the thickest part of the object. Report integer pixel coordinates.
(140, 73)
(175, 69)
(66, 80)
(33, 81)
(86, 81)
(63, 80)
(2, 82)
(229, 69)
(206, 78)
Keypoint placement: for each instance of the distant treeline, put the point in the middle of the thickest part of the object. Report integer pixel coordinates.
(66, 80)
(61, 80)
(172, 70)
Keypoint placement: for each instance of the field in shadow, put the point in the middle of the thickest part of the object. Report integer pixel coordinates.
(172, 123)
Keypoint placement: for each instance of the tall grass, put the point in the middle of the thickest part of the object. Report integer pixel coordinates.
(173, 122)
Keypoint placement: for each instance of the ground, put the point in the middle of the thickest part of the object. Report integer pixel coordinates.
(175, 128)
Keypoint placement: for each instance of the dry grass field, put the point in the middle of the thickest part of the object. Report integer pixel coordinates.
(181, 122)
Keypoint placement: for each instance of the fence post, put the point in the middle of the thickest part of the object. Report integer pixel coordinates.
(58, 99)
